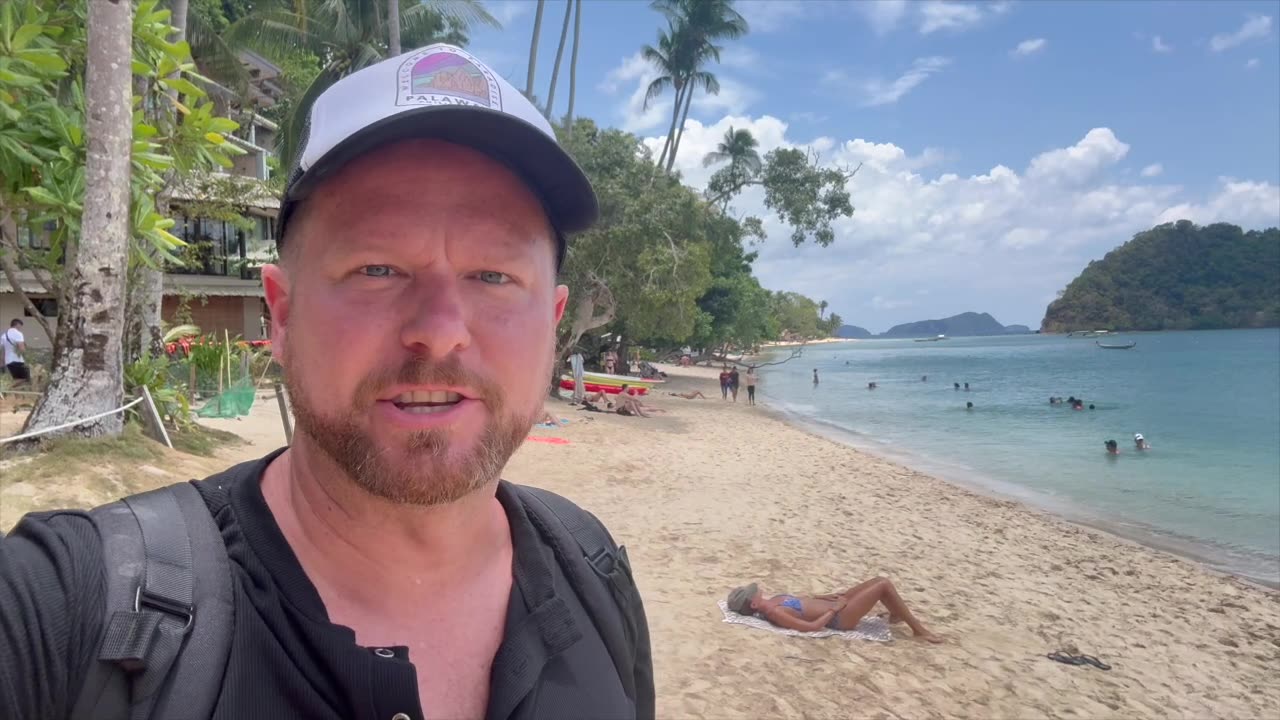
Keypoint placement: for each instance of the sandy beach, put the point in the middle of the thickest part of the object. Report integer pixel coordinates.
(711, 495)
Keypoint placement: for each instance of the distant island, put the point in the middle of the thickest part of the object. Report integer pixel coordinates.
(967, 324)
(853, 332)
(1176, 276)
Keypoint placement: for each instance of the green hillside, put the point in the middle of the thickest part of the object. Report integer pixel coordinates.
(1177, 276)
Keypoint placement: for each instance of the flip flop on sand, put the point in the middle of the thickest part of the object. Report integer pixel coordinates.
(1067, 658)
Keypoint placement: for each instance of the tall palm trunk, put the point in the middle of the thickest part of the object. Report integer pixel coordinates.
(555, 69)
(87, 375)
(393, 28)
(146, 333)
(573, 61)
(533, 50)
(675, 147)
(671, 132)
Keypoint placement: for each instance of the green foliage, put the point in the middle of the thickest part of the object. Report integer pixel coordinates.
(1177, 276)
(42, 138)
(796, 317)
(153, 373)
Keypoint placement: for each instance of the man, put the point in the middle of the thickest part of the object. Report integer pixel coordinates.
(381, 569)
(752, 379)
(14, 346)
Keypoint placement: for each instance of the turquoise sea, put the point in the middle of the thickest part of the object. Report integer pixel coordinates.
(1208, 403)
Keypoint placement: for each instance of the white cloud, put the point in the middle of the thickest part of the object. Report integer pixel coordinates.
(740, 56)
(938, 15)
(1152, 170)
(508, 11)
(883, 15)
(1160, 46)
(879, 91)
(1000, 241)
(1257, 26)
(1080, 162)
(1251, 64)
(1029, 47)
(636, 73)
(765, 16)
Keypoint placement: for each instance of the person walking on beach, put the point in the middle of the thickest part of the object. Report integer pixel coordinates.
(752, 379)
(378, 566)
(734, 379)
(724, 382)
(837, 611)
(13, 346)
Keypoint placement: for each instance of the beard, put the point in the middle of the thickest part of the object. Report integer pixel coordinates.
(427, 470)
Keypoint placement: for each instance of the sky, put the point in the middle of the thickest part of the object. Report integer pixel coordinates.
(1004, 145)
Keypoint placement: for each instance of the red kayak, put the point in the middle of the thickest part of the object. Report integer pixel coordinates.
(594, 388)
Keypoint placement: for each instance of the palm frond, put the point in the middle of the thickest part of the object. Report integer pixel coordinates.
(656, 88)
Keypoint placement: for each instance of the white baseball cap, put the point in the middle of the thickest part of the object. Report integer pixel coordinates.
(440, 91)
(1137, 436)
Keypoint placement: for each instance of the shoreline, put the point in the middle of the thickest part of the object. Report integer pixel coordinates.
(1147, 538)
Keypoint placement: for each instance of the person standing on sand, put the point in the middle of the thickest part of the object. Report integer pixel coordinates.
(724, 382)
(752, 379)
(734, 379)
(837, 611)
(377, 567)
(13, 346)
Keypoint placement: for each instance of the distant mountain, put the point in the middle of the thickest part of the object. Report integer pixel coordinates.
(853, 332)
(962, 325)
(1176, 276)
(1017, 330)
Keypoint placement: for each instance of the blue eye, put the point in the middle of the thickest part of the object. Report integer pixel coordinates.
(377, 271)
(493, 277)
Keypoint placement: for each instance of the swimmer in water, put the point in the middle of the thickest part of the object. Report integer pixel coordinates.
(957, 386)
(1112, 447)
(1140, 442)
(968, 406)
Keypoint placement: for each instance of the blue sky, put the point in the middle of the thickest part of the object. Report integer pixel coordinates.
(1004, 145)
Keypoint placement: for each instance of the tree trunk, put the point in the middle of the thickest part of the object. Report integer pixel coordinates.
(671, 132)
(393, 28)
(555, 69)
(584, 318)
(675, 147)
(533, 50)
(573, 61)
(145, 333)
(88, 376)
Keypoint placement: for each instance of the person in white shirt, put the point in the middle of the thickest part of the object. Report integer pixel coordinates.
(14, 344)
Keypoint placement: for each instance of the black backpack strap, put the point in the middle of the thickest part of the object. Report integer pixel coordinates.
(164, 559)
(607, 590)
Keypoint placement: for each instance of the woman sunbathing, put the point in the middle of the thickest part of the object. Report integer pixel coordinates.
(841, 611)
(694, 394)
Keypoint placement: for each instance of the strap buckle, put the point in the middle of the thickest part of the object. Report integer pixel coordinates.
(155, 602)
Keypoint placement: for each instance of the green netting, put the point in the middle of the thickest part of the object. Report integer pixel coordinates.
(234, 401)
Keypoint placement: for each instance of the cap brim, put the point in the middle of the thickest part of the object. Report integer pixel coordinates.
(550, 172)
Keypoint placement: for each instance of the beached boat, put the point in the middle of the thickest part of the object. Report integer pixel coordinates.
(932, 339)
(566, 383)
(1129, 346)
(617, 380)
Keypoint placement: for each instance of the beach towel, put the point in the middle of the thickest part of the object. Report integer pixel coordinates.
(874, 629)
(549, 425)
(548, 440)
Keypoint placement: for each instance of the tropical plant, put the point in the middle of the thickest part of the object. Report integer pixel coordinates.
(347, 35)
(154, 373)
(51, 176)
(684, 49)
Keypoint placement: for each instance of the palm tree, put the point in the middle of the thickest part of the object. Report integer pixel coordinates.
(573, 61)
(347, 35)
(822, 309)
(739, 148)
(393, 29)
(533, 50)
(695, 26)
(555, 69)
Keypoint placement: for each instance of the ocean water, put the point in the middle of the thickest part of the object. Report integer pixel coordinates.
(1208, 402)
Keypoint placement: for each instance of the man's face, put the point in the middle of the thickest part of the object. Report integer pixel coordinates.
(415, 314)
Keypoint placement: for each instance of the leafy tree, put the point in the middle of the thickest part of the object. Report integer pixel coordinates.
(1177, 276)
(47, 181)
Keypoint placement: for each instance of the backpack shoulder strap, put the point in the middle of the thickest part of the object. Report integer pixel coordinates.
(606, 588)
(168, 609)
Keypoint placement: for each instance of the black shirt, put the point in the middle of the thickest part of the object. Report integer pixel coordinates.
(287, 660)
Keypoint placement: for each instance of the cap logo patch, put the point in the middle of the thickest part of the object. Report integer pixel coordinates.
(439, 75)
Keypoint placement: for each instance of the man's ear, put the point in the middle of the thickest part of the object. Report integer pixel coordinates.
(275, 285)
(562, 301)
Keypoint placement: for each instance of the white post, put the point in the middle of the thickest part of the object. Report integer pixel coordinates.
(152, 420)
